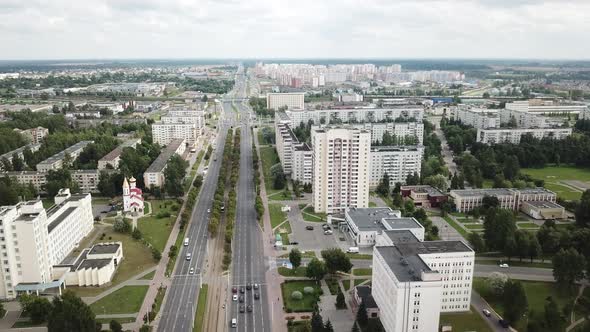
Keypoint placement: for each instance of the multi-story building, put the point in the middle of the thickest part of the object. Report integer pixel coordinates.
(55, 162)
(19, 152)
(513, 135)
(154, 175)
(302, 166)
(408, 133)
(296, 158)
(396, 161)
(186, 116)
(404, 113)
(414, 280)
(164, 133)
(33, 135)
(524, 119)
(477, 118)
(290, 100)
(540, 106)
(112, 158)
(285, 141)
(34, 240)
(424, 195)
(341, 159)
(87, 179)
(469, 199)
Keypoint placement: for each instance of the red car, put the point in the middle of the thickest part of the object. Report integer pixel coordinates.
(234, 290)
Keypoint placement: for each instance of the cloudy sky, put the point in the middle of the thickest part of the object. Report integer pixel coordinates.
(83, 29)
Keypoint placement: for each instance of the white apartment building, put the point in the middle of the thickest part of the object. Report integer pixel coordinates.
(154, 175)
(87, 179)
(523, 118)
(285, 141)
(340, 168)
(400, 130)
(468, 199)
(19, 152)
(477, 118)
(540, 106)
(585, 114)
(55, 162)
(34, 240)
(186, 116)
(296, 158)
(414, 281)
(164, 133)
(290, 100)
(302, 166)
(33, 135)
(406, 113)
(513, 135)
(112, 158)
(397, 161)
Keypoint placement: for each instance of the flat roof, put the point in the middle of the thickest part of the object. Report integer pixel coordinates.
(538, 190)
(94, 263)
(400, 236)
(9, 154)
(544, 204)
(484, 192)
(60, 155)
(400, 223)
(432, 247)
(424, 189)
(61, 217)
(160, 162)
(104, 248)
(367, 219)
(395, 148)
(364, 292)
(405, 267)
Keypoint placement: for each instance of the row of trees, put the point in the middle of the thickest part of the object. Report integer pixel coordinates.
(259, 107)
(459, 137)
(231, 202)
(256, 168)
(218, 198)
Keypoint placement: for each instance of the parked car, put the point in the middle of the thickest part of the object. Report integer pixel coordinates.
(242, 308)
(309, 228)
(486, 312)
(241, 298)
(256, 286)
(242, 290)
(235, 297)
(504, 265)
(234, 290)
(248, 286)
(256, 296)
(191, 271)
(249, 308)
(328, 232)
(503, 323)
(294, 243)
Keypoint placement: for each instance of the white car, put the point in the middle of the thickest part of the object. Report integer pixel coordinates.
(235, 297)
(191, 271)
(328, 232)
(208, 210)
(486, 312)
(504, 265)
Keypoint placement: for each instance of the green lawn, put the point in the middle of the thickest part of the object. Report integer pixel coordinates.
(527, 225)
(359, 281)
(333, 286)
(309, 300)
(372, 204)
(553, 174)
(299, 272)
(475, 227)
(138, 258)
(269, 157)
(362, 272)
(562, 191)
(201, 306)
(465, 321)
(126, 300)
(306, 254)
(346, 284)
(458, 228)
(276, 215)
(120, 320)
(359, 256)
(148, 276)
(309, 215)
(157, 230)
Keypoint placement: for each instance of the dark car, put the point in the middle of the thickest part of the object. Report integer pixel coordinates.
(256, 296)
(241, 298)
(242, 308)
(294, 243)
(309, 228)
(249, 308)
(503, 323)
(242, 290)
(234, 290)
(248, 286)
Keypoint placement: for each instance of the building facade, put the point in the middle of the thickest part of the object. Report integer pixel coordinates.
(290, 100)
(402, 132)
(508, 198)
(396, 161)
(33, 135)
(87, 179)
(19, 152)
(164, 133)
(154, 175)
(55, 162)
(513, 135)
(404, 113)
(477, 118)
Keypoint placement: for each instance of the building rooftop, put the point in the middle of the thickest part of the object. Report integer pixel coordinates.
(302, 147)
(160, 162)
(60, 155)
(424, 189)
(9, 154)
(282, 115)
(532, 191)
(94, 263)
(401, 236)
(104, 248)
(544, 204)
(61, 217)
(484, 192)
(432, 247)
(400, 223)
(367, 219)
(395, 148)
(364, 292)
(405, 267)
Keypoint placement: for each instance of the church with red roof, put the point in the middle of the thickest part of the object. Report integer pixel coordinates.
(132, 197)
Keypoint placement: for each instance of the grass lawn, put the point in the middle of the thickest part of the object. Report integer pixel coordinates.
(148, 276)
(346, 284)
(276, 215)
(126, 300)
(333, 286)
(306, 254)
(309, 215)
(201, 306)
(120, 320)
(269, 157)
(563, 191)
(359, 256)
(465, 321)
(553, 174)
(138, 258)
(362, 272)
(475, 227)
(157, 230)
(359, 281)
(372, 204)
(527, 225)
(458, 228)
(299, 272)
(309, 300)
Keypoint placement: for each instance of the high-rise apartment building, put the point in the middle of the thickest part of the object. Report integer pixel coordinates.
(341, 168)
(290, 100)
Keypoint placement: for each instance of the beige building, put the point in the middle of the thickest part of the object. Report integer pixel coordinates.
(87, 179)
(509, 198)
(543, 210)
(19, 152)
(33, 135)
(94, 266)
(164, 133)
(154, 175)
(341, 160)
(55, 162)
(513, 135)
(289, 100)
(396, 161)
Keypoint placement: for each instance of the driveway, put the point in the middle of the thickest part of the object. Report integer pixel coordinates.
(445, 231)
(315, 239)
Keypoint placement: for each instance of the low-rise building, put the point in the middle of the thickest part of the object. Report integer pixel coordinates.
(513, 135)
(540, 106)
(396, 161)
(94, 266)
(363, 294)
(33, 135)
(111, 159)
(87, 179)
(424, 195)
(55, 162)
(508, 198)
(19, 152)
(154, 175)
(543, 210)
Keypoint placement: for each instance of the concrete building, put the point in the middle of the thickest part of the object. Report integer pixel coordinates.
(164, 133)
(94, 266)
(540, 106)
(154, 175)
(111, 159)
(55, 162)
(513, 135)
(468, 199)
(401, 131)
(414, 281)
(341, 159)
(19, 152)
(402, 113)
(186, 116)
(477, 118)
(285, 140)
(524, 119)
(87, 179)
(34, 240)
(396, 161)
(543, 210)
(289, 100)
(302, 166)
(365, 225)
(424, 195)
(33, 135)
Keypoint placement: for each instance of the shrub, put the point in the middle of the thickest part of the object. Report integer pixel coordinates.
(122, 225)
(163, 214)
(296, 295)
(136, 234)
(308, 290)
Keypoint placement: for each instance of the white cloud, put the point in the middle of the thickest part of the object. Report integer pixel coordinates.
(37, 29)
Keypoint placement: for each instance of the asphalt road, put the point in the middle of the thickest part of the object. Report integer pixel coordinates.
(179, 309)
(248, 264)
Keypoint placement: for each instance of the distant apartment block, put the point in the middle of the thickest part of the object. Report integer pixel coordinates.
(513, 135)
(87, 179)
(477, 118)
(289, 100)
(341, 159)
(401, 131)
(111, 159)
(154, 175)
(403, 113)
(396, 161)
(540, 106)
(302, 167)
(55, 162)
(19, 152)
(33, 135)
(186, 116)
(164, 133)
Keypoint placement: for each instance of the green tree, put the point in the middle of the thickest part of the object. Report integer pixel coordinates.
(340, 301)
(438, 181)
(583, 209)
(476, 242)
(568, 266)
(514, 301)
(174, 174)
(355, 327)
(316, 269)
(70, 314)
(383, 187)
(17, 163)
(499, 226)
(328, 327)
(295, 258)
(39, 309)
(553, 317)
(361, 315)
(336, 260)
(115, 326)
(58, 179)
(317, 323)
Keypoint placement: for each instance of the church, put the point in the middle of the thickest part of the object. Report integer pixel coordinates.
(132, 197)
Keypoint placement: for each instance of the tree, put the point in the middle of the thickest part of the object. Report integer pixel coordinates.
(490, 202)
(328, 327)
(136, 234)
(336, 260)
(514, 301)
(534, 249)
(59, 179)
(115, 326)
(553, 317)
(522, 240)
(17, 163)
(39, 309)
(340, 301)
(316, 269)
(355, 327)
(361, 315)
(438, 181)
(568, 266)
(121, 225)
(499, 226)
(511, 167)
(317, 323)
(413, 179)
(383, 187)
(174, 174)
(295, 258)
(477, 242)
(583, 209)
(70, 314)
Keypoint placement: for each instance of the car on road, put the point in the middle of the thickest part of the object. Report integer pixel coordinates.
(208, 210)
(191, 271)
(234, 323)
(256, 296)
(328, 232)
(503, 323)
(234, 290)
(235, 297)
(293, 243)
(241, 298)
(188, 256)
(504, 265)
(242, 290)
(256, 286)
(248, 286)
(486, 312)
(242, 309)
(309, 228)
(326, 226)
(249, 308)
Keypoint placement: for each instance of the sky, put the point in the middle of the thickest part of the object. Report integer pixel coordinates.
(114, 29)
